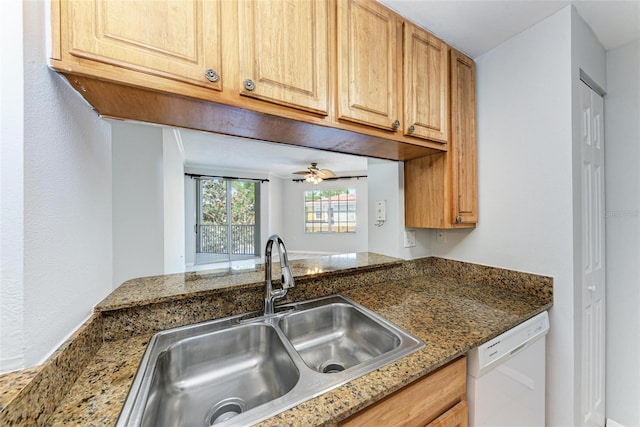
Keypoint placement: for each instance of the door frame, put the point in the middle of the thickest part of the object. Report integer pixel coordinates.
(195, 206)
(591, 337)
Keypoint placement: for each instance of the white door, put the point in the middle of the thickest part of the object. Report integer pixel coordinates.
(593, 274)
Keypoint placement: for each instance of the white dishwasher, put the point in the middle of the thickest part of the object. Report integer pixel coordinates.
(506, 377)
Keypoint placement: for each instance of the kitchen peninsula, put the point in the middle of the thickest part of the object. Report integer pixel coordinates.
(450, 305)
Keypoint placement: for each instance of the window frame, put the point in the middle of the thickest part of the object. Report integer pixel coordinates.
(322, 211)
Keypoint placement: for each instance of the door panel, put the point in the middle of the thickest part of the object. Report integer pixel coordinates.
(367, 64)
(174, 39)
(426, 85)
(286, 56)
(463, 147)
(593, 274)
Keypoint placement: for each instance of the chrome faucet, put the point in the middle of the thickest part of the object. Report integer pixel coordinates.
(271, 294)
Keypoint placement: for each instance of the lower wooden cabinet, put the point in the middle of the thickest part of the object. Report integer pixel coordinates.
(458, 416)
(438, 399)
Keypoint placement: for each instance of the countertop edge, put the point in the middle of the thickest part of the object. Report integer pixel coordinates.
(381, 261)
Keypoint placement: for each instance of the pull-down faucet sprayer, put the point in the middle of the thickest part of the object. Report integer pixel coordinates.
(271, 294)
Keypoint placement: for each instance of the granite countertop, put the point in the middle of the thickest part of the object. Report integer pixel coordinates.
(173, 287)
(449, 314)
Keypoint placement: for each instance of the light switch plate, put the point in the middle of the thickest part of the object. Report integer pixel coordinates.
(381, 210)
(409, 238)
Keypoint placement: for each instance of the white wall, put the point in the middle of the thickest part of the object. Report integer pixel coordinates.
(386, 182)
(138, 201)
(293, 219)
(622, 139)
(148, 201)
(11, 187)
(274, 221)
(525, 182)
(67, 198)
(173, 199)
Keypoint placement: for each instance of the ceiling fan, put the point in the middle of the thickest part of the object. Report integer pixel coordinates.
(315, 175)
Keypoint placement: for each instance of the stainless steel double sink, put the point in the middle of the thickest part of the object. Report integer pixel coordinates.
(243, 369)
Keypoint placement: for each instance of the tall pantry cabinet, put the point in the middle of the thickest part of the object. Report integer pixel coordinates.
(441, 191)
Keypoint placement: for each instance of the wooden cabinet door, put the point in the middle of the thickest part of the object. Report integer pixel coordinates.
(463, 148)
(418, 403)
(458, 416)
(367, 64)
(441, 191)
(179, 40)
(284, 52)
(426, 85)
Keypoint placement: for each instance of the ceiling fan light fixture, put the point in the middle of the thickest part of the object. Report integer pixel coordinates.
(315, 176)
(313, 179)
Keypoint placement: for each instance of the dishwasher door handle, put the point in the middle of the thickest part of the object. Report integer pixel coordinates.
(518, 348)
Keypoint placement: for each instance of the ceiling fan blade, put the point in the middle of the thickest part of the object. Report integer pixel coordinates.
(326, 173)
(320, 173)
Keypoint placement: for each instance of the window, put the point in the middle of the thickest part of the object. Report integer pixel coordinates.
(227, 212)
(330, 211)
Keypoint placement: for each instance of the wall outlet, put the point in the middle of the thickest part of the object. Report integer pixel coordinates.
(441, 236)
(409, 238)
(381, 210)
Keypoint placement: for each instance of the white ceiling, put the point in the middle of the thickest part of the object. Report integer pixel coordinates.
(477, 26)
(240, 154)
(472, 26)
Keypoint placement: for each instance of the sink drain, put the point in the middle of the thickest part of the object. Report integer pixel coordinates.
(225, 410)
(332, 367)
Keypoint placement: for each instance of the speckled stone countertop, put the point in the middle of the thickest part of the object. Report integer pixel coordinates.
(172, 287)
(449, 314)
(452, 306)
(11, 383)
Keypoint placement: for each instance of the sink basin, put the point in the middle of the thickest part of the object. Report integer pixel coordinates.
(216, 376)
(244, 369)
(337, 336)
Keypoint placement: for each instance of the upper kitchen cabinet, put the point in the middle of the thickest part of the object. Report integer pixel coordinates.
(463, 150)
(441, 191)
(322, 74)
(177, 40)
(284, 59)
(367, 64)
(426, 83)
